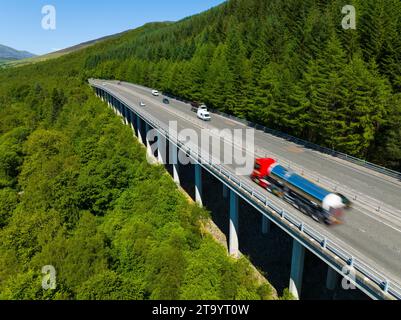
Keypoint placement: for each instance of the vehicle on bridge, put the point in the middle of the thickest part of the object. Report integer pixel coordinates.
(201, 111)
(320, 204)
(204, 115)
(198, 105)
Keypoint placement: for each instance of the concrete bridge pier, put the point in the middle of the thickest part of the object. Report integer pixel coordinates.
(225, 191)
(174, 161)
(297, 269)
(120, 109)
(198, 184)
(332, 279)
(109, 102)
(139, 129)
(124, 112)
(161, 149)
(148, 143)
(266, 225)
(128, 113)
(133, 122)
(233, 241)
(111, 105)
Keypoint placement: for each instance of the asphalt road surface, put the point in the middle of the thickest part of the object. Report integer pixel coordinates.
(371, 235)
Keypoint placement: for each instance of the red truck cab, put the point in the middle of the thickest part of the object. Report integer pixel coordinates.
(262, 170)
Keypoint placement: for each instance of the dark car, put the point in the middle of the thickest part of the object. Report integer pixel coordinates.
(166, 101)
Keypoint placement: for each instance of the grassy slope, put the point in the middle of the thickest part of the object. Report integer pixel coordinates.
(57, 54)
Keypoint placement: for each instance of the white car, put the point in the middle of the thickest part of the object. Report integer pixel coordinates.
(155, 93)
(204, 115)
(142, 104)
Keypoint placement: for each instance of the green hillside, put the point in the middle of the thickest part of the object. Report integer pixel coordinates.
(288, 65)
(54, 55)
(77, 193)
(9, 54)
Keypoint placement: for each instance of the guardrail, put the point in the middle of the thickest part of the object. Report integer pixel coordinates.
(366, 202)
(270, 206)
(374, 205)
(307, 144)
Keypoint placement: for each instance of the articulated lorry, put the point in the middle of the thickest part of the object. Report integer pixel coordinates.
(309, 198)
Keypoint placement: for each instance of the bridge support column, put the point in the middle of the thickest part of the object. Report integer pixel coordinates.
(233, 241)
(148, 144)
(124, 112)
(129, 117)
(266, 224)
(110, 104)
(225, 191)
(119, 109)
(162, 149)
(134, 118)
(126, 115)
(174, 160)
(332, 279)
(198, 184)
(134, 123)
(297, 269)
(139, 129)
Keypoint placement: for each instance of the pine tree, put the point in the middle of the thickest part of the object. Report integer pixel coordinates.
(367, 99)
(219, 84)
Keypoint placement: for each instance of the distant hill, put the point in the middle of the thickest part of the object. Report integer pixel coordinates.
(10, 54)
(56, 54)
(289, 65)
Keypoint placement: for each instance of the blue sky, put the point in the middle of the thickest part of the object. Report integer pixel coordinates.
(82, 20)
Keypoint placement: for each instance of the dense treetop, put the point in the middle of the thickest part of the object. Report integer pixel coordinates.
(288, 65)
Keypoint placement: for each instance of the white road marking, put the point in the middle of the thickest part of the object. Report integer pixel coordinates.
(175, 113)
